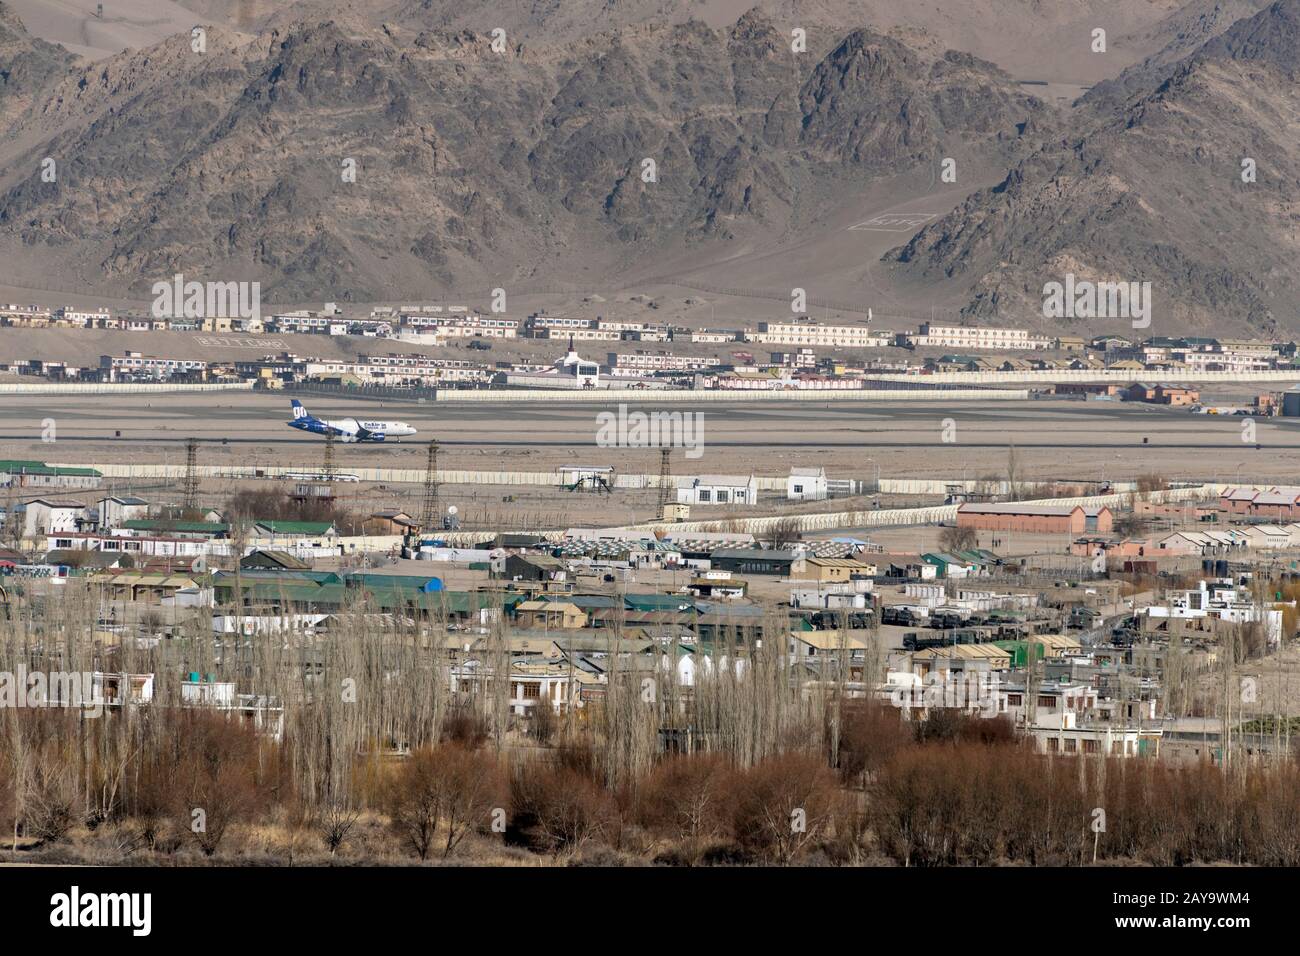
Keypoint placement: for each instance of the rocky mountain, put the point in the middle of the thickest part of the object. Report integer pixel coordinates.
(1152, 190)
(1181, 33)
(27, 65)
(473, 168)
(383, 149)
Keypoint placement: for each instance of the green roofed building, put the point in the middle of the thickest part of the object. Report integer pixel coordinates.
(25, 473)
(1019, 651)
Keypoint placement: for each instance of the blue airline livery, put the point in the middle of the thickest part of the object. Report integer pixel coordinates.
(347, 429)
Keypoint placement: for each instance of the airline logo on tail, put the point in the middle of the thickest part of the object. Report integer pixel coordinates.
(346, 429)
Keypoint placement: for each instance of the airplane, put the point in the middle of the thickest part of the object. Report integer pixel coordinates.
(347, 429)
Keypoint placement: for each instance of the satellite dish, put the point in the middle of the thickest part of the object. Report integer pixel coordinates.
(452, 509)
(199, 565)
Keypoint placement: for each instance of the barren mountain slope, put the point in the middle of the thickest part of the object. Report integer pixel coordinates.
(1153, 193)
(472, 167)
(27, 66)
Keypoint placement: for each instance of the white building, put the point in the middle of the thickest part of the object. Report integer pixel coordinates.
(572, 371)
(86, 318)
(659, 362)
(44, 517)
(717, 490)
(807, 332)
(806, 484)
(972, 337)
(1221, 600)
(114, 510)
(463, 326)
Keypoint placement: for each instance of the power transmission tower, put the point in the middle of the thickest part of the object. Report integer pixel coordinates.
(327, 466)
(321, 490)
(190, 486)
(429, 510)
(665, 476)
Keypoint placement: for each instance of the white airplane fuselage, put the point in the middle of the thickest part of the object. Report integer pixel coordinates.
(348, 429)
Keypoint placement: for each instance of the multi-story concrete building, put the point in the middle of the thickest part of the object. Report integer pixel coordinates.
(808, 332)
(659, 361)
(464, 326)
(976, 337)
(714, 336)
(24, 315)
(133, 365)
(85, 318)
(398, 370)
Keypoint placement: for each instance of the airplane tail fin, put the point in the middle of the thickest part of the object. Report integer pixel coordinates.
(298, 410)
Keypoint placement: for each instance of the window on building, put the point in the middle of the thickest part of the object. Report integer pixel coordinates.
(530, 690)
(1071, 746)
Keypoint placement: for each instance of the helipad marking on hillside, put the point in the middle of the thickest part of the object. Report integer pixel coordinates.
(895, 222)
(237, 342)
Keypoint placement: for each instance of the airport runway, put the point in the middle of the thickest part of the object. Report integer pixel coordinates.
(488, 442)
(900, 439)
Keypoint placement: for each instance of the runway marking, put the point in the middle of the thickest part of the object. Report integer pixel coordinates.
(895, 222)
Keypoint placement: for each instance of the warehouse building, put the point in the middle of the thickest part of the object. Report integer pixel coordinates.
(1049, 519)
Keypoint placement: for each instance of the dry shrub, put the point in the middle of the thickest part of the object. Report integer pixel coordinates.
(41, 766)
(871, 733)
(943, 805)
(334, 820)
(685, 799)
(1150, 482)
(49, 801)
(782, 805)
(958, 538)
(465, 725)
(542, 723)
(564, 806)
(950, 725)
(447, 787)
(206, 774)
